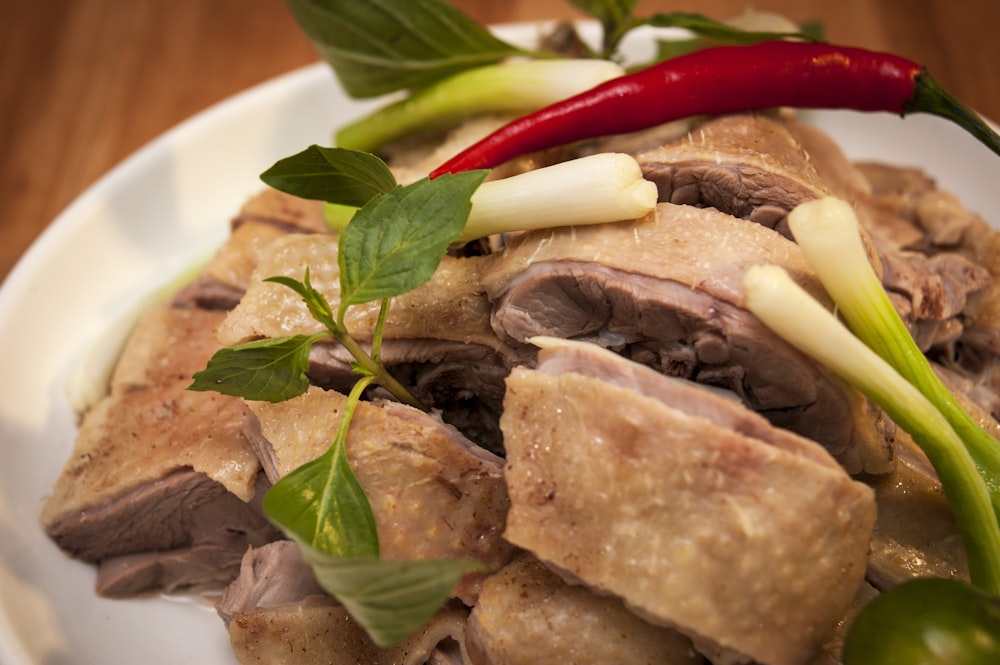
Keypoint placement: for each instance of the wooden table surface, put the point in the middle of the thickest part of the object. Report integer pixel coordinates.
(84, 83)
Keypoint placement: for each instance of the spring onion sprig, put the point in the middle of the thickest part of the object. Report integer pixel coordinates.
(827, 232)
(510, 87)
(790, 311)
(597, 189)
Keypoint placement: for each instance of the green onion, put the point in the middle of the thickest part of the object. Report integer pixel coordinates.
(790, 311)
(597, 189)
(827, 232)
(511, 87)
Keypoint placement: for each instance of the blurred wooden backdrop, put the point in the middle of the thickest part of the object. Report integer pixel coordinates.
(84, 83)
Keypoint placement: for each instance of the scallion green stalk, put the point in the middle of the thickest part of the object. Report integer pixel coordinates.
(512, 87)
(792, 313)
(827, 231)
(597, 189)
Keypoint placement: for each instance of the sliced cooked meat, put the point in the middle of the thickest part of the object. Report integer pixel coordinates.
(759, 167)
(667, 291)
(153, 448)
(937, 287)
(434, 494)
(430, 332)
(526, 615)
(754, 550)
(265, 217)
(464, 382)
(175, 532)
(748, 165)
(271, 575)
(452, 306)
(590, 360)
(283, 210)
(318, 631)
(225, 278)
(192, 533)
(150, 425)
(946, 274)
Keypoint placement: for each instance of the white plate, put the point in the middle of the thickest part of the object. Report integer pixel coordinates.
(143, 223)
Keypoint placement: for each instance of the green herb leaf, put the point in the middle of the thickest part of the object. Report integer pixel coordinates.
(380, 46)
(317, 304)
(271, 370)
(615, 17)
(322, 504)
(391, 599)
(335, 175)
(395, 243)
(717, 30)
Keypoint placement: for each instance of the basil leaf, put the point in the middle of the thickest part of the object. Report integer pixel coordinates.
(390, 599)
(706, 27)
(322, 504)
(270, 370)
(395, 243)
(615, 17)
(317, 304)
(335, 175)
(381, 46)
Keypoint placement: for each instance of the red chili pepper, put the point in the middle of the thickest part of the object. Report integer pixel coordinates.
(728, 79)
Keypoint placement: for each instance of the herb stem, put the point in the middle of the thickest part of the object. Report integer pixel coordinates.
(373, 368)
(383, 313)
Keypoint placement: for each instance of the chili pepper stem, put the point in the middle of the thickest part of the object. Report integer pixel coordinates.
(929, 96)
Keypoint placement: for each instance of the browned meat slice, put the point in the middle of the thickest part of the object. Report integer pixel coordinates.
(850, 182)
(277, 613)
(936, 290)
(283, 210)
(944, 269)
(464, 382)
(759, 167)
(222, 282)
(271, 575)
(265, 217)
(754, 550)
(318, 631)
(160, 474)
(189, 529)
(526, 615)
(452, 306)
(667, 291)
(434, 494)
(433, 336)
(748, 165)
(568, 357)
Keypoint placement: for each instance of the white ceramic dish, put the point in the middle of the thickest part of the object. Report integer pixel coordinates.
(145, 222)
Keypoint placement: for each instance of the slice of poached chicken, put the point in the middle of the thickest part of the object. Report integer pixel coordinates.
(752, 544)
(437, 338)
(161, 486)
(434, 494)
(748, 165)
(526, 614)
(277, 613)
(667, 291)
